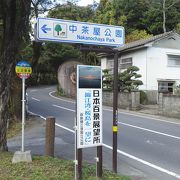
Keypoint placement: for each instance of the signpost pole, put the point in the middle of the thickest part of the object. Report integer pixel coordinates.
(79, 157)
(23, 70)
(75, 149)
(115, 111)
(23, 111)
(99, 162)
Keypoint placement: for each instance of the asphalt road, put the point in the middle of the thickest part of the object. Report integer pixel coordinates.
(148, 147)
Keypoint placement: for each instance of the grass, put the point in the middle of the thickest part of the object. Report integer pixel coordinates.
(14, 129)
(47, 168)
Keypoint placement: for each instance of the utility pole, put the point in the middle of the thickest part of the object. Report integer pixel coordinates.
(115, 111)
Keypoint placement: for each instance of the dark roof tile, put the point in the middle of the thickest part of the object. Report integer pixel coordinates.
(144, 41)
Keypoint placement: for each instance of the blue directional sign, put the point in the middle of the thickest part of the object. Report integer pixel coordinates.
(59, 30)
(45, 29)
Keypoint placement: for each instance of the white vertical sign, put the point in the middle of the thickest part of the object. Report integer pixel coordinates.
(89, 106)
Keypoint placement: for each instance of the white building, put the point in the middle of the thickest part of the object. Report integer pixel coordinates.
(158, 59)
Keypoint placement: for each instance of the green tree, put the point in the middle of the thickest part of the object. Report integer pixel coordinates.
(53, 54)
(15, 15)
(105, 13)
(128, 80)
(178, 28)
(107, 80)
(137, 35)
(162, 16)
(71, 11)
(39, 7)
(130, 14)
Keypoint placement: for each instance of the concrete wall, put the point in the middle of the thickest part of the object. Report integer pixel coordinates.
(152, 96)
(125, 100)
(169, 105)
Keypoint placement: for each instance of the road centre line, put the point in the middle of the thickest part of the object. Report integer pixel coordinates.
(35, 99)
(64, 108)
(125, 154)
(127, 113)
(147, 116)
(149, 130)
(137, 127)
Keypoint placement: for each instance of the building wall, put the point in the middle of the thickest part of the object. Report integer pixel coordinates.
(153, 65)
(104, 63)
(157, 67)
(139, 60)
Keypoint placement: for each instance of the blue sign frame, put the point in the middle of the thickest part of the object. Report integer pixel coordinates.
(45, 32)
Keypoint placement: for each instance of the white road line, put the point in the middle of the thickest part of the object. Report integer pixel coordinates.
(137, 127)
(127, 113)
(146, 162)
(149, 130)
(127, 155)
(35, 99)
(64, 128)
(64, 108)
(55, 123)
(33, 90)
(144, 116)
(50, 94)
(37, 115)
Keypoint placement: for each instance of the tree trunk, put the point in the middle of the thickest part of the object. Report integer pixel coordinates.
(164, 16)
(15, 18)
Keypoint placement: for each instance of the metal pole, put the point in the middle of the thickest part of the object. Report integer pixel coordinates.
(23, 111)
(79, 156)
(78, 152)
(99, 162)
(115, 111)
(75, 150)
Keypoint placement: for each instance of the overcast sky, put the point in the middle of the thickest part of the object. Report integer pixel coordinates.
(86, 2)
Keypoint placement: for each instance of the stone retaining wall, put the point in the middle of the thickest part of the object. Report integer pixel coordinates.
(125, 100)
(169, 105)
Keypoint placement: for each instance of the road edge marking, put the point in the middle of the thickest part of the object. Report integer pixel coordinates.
(35, 99)
(124, 153)
(50, 94)
(145, 162)
(128, 113)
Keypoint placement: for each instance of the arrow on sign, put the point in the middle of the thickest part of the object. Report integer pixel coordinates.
(45, 29)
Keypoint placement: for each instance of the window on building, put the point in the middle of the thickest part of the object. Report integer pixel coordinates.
(173, 60)
(125, 63)
(165, 86)
(122, 64)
